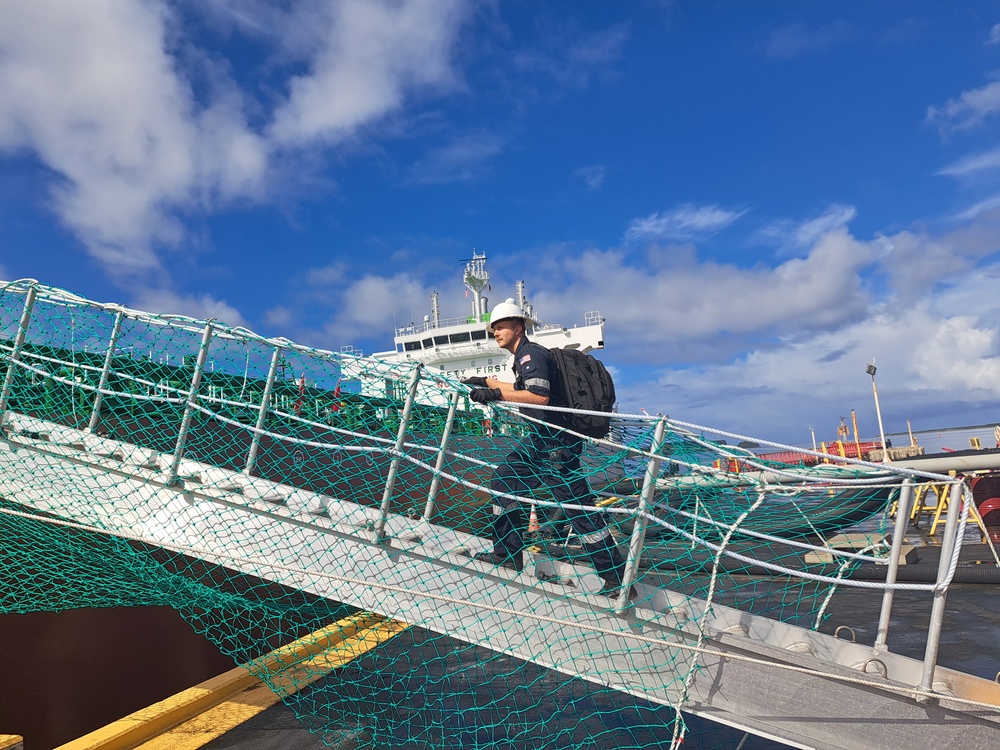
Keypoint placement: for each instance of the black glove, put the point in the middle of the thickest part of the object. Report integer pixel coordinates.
(482, 395)
(476, 381)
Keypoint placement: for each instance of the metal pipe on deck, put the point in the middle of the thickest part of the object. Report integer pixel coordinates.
(390, 480)
(974, 461)
(941, 593)
(436, 479)
(902, 517)
(638, 539)
(265, 404)
(189, 404)
(15, 355)
(857, 442)
(105, 371)
(870, 369)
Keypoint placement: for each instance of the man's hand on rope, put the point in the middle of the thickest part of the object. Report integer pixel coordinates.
(484, 395)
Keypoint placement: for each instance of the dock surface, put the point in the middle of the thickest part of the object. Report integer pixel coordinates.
(249, 714)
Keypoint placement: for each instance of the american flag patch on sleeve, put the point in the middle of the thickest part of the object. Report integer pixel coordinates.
(525, 358)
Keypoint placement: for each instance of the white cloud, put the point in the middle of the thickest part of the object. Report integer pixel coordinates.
(203, 306)
(935, 332)
(374, 52)
(104, 93)
(373, 305)
(669, 309)
(279, 317)
(767, 351)
(4, 274)
(94, 91)
(328, 275)
(682, 223)
(803, 234)
(593, 177)
(971, 109)
(917, 264)
(925, 356)
(986, 161)
(994, 34)
(982, 207)
(959, 355)
(260, 17)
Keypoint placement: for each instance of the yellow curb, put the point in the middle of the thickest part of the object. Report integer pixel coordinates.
(215, 722)
(220, 719)
(152, 720)
(11, 742)
(348, 638)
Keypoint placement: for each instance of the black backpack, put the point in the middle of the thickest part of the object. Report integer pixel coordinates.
(584, 383)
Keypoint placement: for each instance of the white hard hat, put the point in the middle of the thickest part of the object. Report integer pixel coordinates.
(506, 310)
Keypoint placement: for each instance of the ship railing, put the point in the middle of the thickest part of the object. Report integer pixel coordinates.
(591, 318)
(430, 325)
(666, 453)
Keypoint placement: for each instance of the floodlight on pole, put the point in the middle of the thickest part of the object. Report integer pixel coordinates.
(870, 369)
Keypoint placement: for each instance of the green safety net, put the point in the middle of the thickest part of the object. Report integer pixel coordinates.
(277, 494)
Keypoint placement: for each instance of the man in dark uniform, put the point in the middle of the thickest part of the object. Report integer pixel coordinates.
(548, 455)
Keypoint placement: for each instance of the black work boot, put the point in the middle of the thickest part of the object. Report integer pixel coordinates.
(613, 590)
(515, 563)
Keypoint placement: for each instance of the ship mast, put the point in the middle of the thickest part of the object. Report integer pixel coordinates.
(476, 279)
(522, 301)
(436, 309)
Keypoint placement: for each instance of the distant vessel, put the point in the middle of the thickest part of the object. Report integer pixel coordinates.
(461, 347)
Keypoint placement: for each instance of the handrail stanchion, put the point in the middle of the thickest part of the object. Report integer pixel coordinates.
(940, 594)
(639, 528)
(436, 479)
(102, 383)
(902, 517)
(15, 355)
(265, 405)
(397, 452)
(173, 477)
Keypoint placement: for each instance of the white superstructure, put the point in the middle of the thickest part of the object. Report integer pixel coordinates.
(461, 347)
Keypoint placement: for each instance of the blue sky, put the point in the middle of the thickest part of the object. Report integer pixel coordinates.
(758, 197)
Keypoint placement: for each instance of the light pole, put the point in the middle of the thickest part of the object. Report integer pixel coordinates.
(870, 369)
(813, 433)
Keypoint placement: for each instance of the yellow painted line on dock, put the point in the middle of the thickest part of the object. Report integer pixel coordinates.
(11, 742)
(211, 709)
(213, 723)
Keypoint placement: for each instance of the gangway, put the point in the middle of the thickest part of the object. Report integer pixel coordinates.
(695, 654)
(794, 685)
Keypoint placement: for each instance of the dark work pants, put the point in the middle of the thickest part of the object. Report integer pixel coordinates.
(554, 462)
